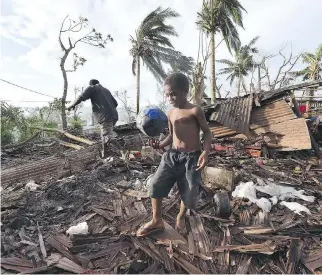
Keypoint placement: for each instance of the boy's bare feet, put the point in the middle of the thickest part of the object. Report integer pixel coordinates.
(150, 228)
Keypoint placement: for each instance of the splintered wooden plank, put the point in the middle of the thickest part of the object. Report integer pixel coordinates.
(60, 247)
(85, 218)
(131, 224)
(170, 234)
(199, 235)
(117, 204)
(130, 211)
(168, 262)
(191, 244)
(293, 256)
(140, 243)
(186, 265)
(264, 248)
(137, 194)
(107, 215)
(140, 207)
(244, 265)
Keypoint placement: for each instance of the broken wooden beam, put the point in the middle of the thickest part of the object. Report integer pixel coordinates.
(69, 135)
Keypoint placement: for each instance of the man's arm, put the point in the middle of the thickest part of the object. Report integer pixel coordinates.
(205, 129)
(83, 97)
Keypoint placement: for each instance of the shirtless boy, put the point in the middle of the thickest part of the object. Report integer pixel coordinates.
(184, 162)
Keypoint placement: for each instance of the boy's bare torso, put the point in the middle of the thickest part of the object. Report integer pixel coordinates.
(185, 128)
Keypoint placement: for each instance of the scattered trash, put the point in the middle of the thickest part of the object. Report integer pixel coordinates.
(274, 200)
(278, 192)
(259, 161)
(147, 152)
(147, 182)
(296, 207)
(297, 170)
(109, 159)
(79, 229)
(284, 192)
(137, 172)
(32, 186)
(137, 185)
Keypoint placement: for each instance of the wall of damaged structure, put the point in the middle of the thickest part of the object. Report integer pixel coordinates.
(274, 120)
(53, 167)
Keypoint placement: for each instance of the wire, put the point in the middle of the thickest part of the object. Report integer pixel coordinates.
(9, 100)
(26, 88)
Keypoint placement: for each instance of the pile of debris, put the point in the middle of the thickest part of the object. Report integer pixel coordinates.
(270, 119)
(81, 217)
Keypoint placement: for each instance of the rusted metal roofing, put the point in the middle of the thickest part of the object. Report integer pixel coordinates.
(284, 90)
(288, 135)
(220, 131)
(234, 113)
(272, 113)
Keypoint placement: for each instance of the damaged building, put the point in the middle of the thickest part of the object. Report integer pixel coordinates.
(270, 119)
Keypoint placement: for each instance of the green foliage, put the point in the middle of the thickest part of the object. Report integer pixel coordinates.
(152, 44)
(313, 71)
(76, 126)
(12, 120)
(17, 127)
(242, 64)
(222, 16)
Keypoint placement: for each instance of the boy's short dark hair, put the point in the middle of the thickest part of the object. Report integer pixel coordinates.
(177, 81)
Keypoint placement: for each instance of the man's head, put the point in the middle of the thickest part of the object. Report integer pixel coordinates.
(176, 88)
(93, 82)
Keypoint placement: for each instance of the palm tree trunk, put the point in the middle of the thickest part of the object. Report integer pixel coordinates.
(212, 70)
(137, 84)
(259, 79)
(238, 88)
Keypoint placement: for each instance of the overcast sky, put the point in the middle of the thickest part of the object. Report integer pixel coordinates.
(30, 52)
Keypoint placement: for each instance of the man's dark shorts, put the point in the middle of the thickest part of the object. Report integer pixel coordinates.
(178, 167)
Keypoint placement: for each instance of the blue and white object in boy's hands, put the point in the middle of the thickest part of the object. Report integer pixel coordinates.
(152, 121)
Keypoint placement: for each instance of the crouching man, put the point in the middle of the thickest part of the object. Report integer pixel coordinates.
(104, 109)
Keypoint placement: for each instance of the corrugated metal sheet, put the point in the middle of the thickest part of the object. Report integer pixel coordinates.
(220, 131)
(284, 90)
(272, 113)
(289, 135)
(234, 113)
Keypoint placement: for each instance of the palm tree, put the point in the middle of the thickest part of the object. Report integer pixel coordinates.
(152, 45)
(220, 16)
(314, 69)
(242, 65)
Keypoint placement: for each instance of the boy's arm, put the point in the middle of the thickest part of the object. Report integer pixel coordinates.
(205, 129)
(168, 140)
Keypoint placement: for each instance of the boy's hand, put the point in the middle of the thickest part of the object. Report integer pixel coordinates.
(202, 161)
(155, 144)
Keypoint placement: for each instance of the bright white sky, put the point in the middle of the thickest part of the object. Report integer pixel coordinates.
(30, 52)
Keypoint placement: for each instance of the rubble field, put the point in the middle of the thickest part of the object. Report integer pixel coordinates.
(85, 221)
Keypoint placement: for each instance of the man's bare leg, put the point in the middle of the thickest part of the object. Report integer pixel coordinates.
(156, 221)
(103, 147)
(180, 224)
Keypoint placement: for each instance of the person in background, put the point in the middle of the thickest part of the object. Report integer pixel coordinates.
(104, 109)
